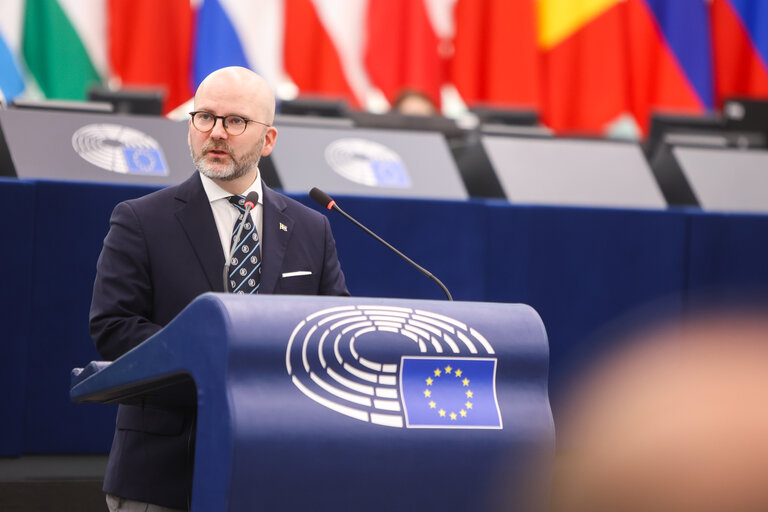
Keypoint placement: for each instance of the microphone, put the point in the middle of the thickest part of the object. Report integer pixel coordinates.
(325, 201)
(250, 203)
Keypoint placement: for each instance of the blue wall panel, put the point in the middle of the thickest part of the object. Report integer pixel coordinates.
(71, 222)
(447, 238)
(582, 269)
(590, 273)
(728, 261)
(17, 220)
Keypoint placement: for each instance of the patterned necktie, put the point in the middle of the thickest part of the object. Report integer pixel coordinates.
(245, 265)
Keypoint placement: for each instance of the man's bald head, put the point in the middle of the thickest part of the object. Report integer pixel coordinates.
(232, 160)
(241, 86)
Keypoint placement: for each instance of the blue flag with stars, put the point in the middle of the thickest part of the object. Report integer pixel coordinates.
(449, 392)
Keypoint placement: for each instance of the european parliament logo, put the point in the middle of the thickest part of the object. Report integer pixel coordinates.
(367, 162)
(397, 367)
(120, 149)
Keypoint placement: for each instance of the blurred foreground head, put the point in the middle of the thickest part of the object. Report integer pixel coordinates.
(677, 422)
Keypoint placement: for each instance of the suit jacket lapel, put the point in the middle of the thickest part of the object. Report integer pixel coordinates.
(196, 218)
(276, 231)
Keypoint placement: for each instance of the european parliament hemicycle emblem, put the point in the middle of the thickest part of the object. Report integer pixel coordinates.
(367, 162)
(120, 149)
(396, 367)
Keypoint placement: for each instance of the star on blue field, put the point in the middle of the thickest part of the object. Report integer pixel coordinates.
(449, 392)
(144, 161)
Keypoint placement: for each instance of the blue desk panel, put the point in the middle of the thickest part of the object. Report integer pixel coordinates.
(17, 221)
(448, 238)
(70, 224)
(728, 260)
(585, 271)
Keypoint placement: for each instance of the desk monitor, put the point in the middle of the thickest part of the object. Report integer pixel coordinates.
(488, 114)
(366, 162)
(674, 184)
(130, 101)
(728, 180)
(395, 121)
(573, 172)
(664, 124)
(746, 114)
(63, 106)
(316, 107)
(91, 147)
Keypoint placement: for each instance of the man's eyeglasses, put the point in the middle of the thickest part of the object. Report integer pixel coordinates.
(234, 125)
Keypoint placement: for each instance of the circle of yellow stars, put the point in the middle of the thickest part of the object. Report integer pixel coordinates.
(448, 370)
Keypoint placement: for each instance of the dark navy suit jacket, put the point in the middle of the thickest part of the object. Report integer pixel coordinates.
(162, 251)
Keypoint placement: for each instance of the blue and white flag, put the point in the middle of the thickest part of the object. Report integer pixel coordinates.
(11, 80)
(237, 33)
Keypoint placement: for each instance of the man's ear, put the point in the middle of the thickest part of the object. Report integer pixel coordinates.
(189, 133)
(269, 140)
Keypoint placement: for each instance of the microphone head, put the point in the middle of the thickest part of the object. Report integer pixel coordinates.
(321, 198)
(252, 198)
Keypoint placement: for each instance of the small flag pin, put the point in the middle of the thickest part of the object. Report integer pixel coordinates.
(283, 227)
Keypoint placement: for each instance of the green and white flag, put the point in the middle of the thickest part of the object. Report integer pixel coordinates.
(64, 46)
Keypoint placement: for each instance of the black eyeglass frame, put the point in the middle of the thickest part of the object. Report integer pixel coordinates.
(223, 122)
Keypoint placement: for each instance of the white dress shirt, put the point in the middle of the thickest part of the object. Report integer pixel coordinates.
(225, 213)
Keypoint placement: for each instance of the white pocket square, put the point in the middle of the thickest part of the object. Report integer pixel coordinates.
(298, 273)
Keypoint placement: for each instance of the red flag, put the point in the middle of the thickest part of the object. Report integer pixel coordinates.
(658, 82)
(403, 49)
(310, 57)
(584, 67)
(739, 69)
(496, 56)
(150, 45)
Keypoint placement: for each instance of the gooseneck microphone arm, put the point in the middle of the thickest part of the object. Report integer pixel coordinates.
(325, 201)
(250, 203)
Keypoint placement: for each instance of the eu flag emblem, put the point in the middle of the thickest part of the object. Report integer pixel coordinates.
(144, 161)
(449, 392)
(390, 173)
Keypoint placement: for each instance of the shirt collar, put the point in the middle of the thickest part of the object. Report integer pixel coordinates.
(215, 192)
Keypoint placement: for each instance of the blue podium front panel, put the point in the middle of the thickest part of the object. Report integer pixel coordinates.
(315, 403)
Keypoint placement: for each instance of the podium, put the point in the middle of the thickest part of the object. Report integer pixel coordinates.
(337, 403)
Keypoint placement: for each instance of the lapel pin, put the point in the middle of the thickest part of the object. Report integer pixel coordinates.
(283, 227)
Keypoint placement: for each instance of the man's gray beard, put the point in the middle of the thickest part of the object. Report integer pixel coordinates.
(237, 169)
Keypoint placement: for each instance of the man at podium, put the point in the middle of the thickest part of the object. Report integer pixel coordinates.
(168, 247)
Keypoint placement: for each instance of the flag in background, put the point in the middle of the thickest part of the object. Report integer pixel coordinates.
(403, 48)
(740, 41)
(217, 42)
(669, 57)
(312, 59)
(685, 25)
(11, 74)
(496, 57)
(584, 63)
(150, 45)
(11, 82)
(244, 33)
(64, 46)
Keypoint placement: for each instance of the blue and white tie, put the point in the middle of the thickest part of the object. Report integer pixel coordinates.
(245, 265)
